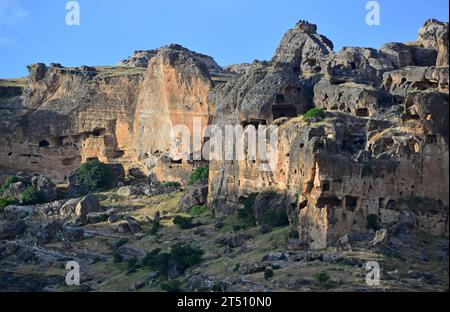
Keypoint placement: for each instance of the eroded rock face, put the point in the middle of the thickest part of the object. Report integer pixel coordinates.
(118, 115)
(380, 148)
(142, 58)
(434, 35)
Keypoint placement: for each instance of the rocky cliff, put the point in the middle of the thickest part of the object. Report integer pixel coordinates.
(375, 149)
(60, 117)
(378, 150)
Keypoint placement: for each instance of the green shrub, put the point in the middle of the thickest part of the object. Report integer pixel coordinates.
(198, 211)
(183, 257)
(95, 175)
(121, 242)
(32, 196)
(5, 202)
(170, 184)
(275, 217)
(172, 286)
(314, 113)
(246, 214)
(200, 174)
(184, 223)
(7, 184)
(186, 256)
(117, 258)
(268, 273)
(132, 266)
(321, 277)
(373, 222)
(155, 228)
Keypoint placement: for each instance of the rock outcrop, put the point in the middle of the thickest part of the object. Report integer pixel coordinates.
(378, 151)
(61, 117)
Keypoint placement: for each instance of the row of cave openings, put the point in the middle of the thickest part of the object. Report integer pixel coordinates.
(70, 141)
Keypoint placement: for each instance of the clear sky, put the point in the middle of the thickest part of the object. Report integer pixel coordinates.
(232, 31)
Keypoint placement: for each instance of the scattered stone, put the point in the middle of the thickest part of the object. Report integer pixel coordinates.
(69, 207)
(86, 205)
(18, 212)
(134, 225)
(48, 231)
(196, 195)
(127, 191)
(233, 240)
(97, 217)
(344, 243)
(380, 238)
(73, 234)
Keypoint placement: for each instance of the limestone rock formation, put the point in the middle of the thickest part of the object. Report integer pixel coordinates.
(434, 35)
(61, 117)
(142, 58)
(372, 154)
(379, 151)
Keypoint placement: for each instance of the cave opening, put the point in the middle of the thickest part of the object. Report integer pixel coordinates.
(280, 111)
(362, 112)
(351, 203)
(44, 143)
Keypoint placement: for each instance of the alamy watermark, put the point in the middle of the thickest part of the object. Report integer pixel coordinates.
(373, 277)
(255, 143)
(73, 13)
(73, 276)
(373, 17)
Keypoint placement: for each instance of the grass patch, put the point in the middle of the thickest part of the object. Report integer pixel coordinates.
(173, 286)
(5, 202)
(15, 82)
(198, 211)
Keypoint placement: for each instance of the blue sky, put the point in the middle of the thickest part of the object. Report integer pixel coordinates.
(232, 31)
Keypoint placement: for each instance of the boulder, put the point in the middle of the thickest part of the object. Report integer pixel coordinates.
(399, 54)
(97, 217)
(233, 240)
(85, 206)
(18, 212)
(69, 207)
(48, 231)
(127, 191)
(343, 243)
(45, 186)
(195, 195)
(15, 190)
(381, 238)
(73, 234)
(134, 225)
